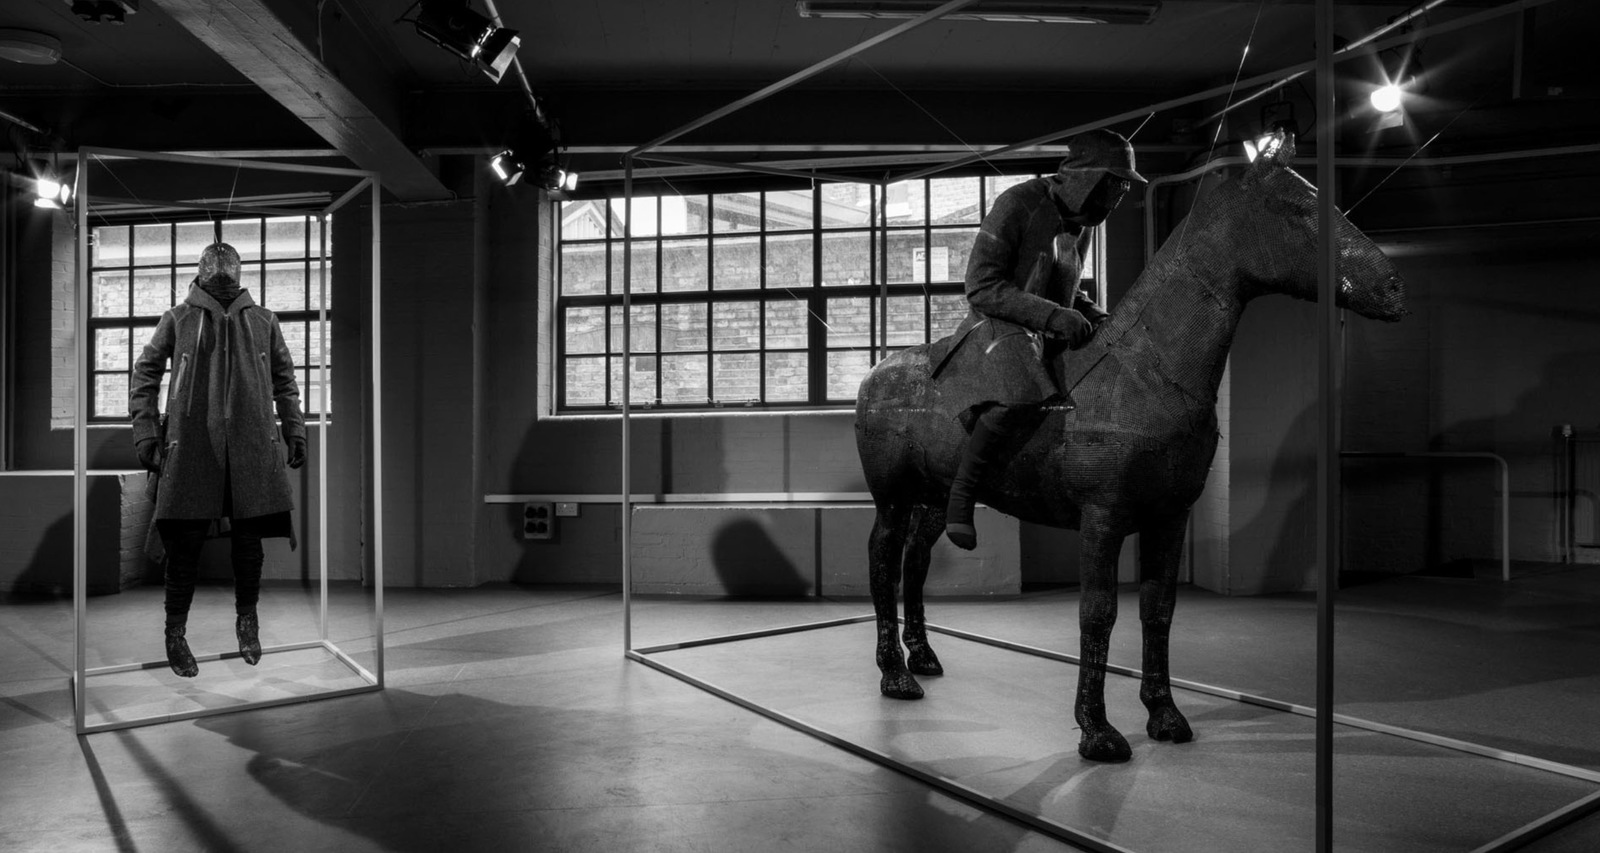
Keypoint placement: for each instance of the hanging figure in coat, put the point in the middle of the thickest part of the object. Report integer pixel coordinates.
(218, 450)
(1023, 284)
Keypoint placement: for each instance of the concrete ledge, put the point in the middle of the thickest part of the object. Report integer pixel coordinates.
(800, 550)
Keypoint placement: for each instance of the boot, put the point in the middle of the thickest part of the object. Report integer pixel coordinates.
(248, 628)
(989, 435)
(178, 655)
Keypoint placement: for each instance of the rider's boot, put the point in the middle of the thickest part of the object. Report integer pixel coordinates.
(989, 435)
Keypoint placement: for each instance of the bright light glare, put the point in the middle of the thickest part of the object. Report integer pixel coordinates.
(1262, 146)
(1386, 99)
(48, 188)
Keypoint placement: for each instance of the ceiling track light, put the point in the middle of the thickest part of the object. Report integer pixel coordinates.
(452, 25)
(50, 190)
(1005, 11)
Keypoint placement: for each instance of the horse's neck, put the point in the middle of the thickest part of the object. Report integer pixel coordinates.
(1178, 321)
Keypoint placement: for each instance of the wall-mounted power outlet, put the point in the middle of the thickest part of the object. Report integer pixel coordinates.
(567, 509)
(538, 520)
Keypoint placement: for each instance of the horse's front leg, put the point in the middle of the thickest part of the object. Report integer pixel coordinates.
(884, 549)
(927, 524)
(1160, 552)
(1097, 613)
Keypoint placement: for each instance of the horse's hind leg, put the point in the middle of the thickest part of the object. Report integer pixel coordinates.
(1097, 613)
(926, 525)
(1160, 550)
(884, 551)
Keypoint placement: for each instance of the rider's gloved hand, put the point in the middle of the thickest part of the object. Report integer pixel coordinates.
(1070, 326)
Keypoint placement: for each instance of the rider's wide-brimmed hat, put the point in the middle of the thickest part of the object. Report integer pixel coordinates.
(1100, 150)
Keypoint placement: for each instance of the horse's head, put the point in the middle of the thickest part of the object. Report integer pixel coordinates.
(1274, 244)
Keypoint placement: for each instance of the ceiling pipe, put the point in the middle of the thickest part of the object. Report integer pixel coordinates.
(1376, 34)
(516, 65)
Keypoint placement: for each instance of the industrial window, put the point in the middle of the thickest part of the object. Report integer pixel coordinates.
(762, 299)
(138, 271)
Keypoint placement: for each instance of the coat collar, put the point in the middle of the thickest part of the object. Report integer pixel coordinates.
(199, 298)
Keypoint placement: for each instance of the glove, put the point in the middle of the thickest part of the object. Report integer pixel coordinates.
(1070, 326)
(150, 455)
(1091, 312)
(297, 451)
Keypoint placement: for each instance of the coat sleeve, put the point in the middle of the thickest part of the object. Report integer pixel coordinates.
(144, 391)
(285, 391)
(993, 268)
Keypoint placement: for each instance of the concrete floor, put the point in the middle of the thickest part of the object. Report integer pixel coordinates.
(512, 722)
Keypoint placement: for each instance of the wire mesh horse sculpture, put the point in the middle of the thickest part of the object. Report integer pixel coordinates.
(1132, 457)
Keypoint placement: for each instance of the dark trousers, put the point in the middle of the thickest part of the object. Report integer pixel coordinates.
(183, 539)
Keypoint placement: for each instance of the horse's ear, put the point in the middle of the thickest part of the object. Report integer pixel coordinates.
(1275, 148)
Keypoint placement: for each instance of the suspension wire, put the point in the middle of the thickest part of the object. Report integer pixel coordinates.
(946, 128)
(1464, 110)
(135, 196)
(1216, 134)
(1136, 130)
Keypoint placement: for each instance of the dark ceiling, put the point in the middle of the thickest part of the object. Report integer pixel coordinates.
(343, 79)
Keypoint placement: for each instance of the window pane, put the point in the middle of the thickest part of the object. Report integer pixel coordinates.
(152, 244)
(788, 377)
(243, 235)
(948, 311)
(789, 259)
(953, 200)
(949, 253)
(849, 322)
(286, 237)
(789, 209)
(738, 262)
(787, 323)
(285, 287)
(641, 380)
(907, 203)
(998, 184)
(736, 377)
(110, 395)
(320, 286)
(684, 379)
(294, 337)
(683, 215)
(583, 269)
(846, 258)
(907, 326)
(193, 238)
(643, 329)
(644, 266)
(250, 279)
(683, 327)
(585, 332)
(111, 349)
(314, 353)
(845, 372)
(736, 326)
(644, 215)
(108, 295)
(684, 264)
(908, 257)
(736, 212)
(583, 220)
(846, 205)
(313, 396)
(152, 291)
(110, 246)
(585, 382)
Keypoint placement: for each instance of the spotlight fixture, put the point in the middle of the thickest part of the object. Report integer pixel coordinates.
(549, 166)
(452, 25)
(1009, 11)
(507, 166)
(50, 191)
(1386, 98)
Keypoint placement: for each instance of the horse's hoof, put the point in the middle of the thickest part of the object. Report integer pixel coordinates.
(963, 536)
(1168, 723)
(900, 685)
(1104, 744)
(922, 661)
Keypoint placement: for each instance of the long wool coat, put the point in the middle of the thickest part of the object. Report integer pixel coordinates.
(231, 368)
(1008, 298)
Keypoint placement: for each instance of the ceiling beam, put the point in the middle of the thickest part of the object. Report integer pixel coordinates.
(263, 45)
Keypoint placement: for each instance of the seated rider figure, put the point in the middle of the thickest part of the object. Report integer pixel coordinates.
(1022, 282)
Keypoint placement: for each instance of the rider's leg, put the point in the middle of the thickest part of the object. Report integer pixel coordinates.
(989, 435)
